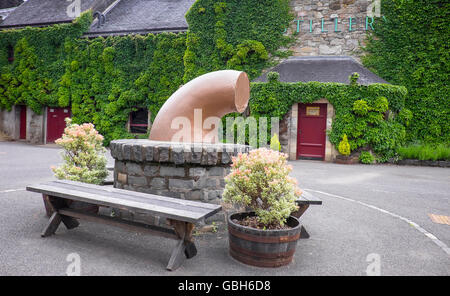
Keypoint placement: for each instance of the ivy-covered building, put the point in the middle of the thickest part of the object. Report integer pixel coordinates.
(111, 18)
(117, 63)
(304, 129)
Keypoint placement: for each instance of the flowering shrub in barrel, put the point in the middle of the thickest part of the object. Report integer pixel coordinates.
(260, 181)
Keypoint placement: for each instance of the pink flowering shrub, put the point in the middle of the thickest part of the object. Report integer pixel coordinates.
(83, 154)
(260, 180)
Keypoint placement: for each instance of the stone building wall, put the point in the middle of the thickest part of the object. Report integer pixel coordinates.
(35, 127)
(322, 27)
(10, 122)
(35, 124)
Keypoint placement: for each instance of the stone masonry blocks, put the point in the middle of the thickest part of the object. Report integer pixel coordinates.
(192, 171)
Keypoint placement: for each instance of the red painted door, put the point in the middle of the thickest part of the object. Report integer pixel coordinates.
(56, 123)
(312, 124)
(23, 122)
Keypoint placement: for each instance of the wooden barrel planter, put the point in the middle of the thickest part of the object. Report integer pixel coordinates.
(262, 248)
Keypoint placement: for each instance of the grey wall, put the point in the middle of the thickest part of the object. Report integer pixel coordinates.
(10, 125)
(35, 127)
(10, 122)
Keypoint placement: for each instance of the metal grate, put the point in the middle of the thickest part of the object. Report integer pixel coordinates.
(440, 219)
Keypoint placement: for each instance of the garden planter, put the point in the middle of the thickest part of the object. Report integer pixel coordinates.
(262, 248)
(341, 159)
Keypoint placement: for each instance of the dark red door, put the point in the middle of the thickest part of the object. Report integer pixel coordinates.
(312, 124)
(56, 123)
(23, 122)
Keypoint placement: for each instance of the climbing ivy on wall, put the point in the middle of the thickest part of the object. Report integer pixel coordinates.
(33, 77)
(234, 34)
(103, 79)
(106, 79)
(359, 110)
(411, 48)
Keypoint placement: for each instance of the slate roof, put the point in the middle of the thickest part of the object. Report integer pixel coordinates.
(47, 12)
(144, 16)
(9, 3)
(122, 16)
(322, 69)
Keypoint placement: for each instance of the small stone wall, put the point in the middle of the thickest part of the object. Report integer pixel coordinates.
(187, 171)
(336, 36)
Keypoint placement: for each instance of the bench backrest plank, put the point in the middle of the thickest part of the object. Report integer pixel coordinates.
(182, 210)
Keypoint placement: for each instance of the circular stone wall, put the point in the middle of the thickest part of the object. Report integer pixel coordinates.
(193, 171)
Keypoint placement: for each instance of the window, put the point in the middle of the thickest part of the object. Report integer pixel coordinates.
(10, 54)
(139, 121)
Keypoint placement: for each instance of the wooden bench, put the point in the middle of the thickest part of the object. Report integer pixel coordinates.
(181, 214)
(303, 202)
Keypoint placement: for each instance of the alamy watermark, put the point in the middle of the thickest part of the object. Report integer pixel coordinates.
(74, 8)
(253, 131)
(374, 9)
(374, 267)
(74, 267)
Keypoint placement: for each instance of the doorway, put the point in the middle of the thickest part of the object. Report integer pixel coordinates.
(56, 123)
(311, 133)
(23, 123)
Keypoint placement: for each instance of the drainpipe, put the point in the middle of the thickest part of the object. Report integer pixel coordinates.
(195, 110)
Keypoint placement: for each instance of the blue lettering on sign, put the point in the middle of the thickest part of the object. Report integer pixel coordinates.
(367, 24)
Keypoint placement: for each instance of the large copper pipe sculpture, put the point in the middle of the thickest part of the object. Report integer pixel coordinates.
(201, 103)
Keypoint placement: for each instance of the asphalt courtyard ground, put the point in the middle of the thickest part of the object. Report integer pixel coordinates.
(370, 214)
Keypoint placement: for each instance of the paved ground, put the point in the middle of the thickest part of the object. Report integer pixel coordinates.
(381, 210)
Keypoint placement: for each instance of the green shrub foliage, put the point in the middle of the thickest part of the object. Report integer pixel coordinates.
(275, 143)
(409, 47)
(366, 157)
(425, 152)
(344, 146)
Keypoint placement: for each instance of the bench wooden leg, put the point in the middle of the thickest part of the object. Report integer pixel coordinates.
(303, 233)
(53, 204)
(185, 247)
(301, 209)
(52, 225)
(177, 257)
(47, 205)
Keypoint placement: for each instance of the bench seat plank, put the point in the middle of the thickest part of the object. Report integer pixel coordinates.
(134, 194)
(182, 210)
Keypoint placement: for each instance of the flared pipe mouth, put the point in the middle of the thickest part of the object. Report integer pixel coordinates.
(242, 92)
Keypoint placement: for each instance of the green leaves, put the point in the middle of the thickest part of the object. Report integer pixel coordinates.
(234, 34)
(344, 146)
(411, 49)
